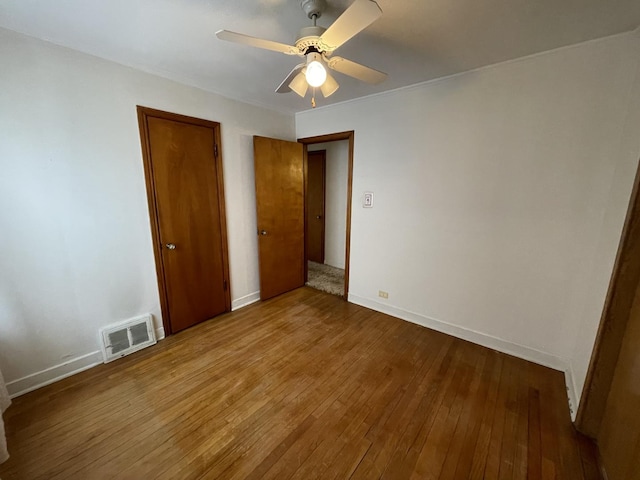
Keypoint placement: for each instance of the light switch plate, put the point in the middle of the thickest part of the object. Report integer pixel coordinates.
(367, 200)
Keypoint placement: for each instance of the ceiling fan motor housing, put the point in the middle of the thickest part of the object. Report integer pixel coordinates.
(309, 38)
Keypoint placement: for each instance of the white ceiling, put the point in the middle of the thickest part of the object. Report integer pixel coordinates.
(414, 40)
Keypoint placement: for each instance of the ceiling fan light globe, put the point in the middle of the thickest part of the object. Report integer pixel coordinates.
(329, 87)
(316, 73)
(299, 84)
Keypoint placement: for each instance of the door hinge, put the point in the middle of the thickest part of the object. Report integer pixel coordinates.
(225, 285)
(215, 150)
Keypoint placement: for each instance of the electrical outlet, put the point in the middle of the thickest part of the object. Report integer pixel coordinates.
(383, 294)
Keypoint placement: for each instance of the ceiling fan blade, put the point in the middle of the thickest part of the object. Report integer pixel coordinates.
(256, 42)
(284, 86)
(299, 84)
(356, 70)
(356, 18)
(329, 86)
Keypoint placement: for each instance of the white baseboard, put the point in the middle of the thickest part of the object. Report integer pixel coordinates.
(244, 301)
(159, 333)
(58, 372)
(53, 374)
(495, 343)
(572, 392)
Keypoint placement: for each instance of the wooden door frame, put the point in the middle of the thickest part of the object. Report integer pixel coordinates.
(143, 115)
(334, 137)
(324, 203)
(613, 323)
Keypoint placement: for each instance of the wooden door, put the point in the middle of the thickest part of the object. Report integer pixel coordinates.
(186, 200)
(316, 173)
(280, 214)
(619, 436)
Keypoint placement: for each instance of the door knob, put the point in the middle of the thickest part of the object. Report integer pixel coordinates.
(263, 232)
(318, 217)
(170, 246)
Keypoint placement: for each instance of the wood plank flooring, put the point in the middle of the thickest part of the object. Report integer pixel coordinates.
(302, 386)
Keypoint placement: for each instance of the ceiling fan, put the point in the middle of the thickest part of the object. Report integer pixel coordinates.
(317, 44)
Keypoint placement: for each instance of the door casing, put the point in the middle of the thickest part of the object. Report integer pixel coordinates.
(613, 323)
(333, 137)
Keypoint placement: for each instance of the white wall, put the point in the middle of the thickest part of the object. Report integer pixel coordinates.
(500, 196)
(336, 178)
(76, 242)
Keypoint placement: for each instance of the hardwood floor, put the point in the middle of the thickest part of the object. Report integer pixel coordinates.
(302, 386)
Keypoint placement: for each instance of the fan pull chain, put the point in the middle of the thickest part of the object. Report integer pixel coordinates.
(313, 98)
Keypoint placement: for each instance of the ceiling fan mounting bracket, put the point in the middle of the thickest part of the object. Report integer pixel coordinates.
(313, 7)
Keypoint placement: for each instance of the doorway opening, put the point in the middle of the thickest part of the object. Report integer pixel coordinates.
(328, 176)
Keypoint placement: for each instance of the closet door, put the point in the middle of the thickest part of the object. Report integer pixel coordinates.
(186, 199)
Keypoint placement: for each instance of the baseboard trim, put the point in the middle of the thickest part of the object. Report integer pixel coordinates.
(160, 333)
(495, 343)
(58, 372)
(244, 301)
(569, 379)
(53, 374)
